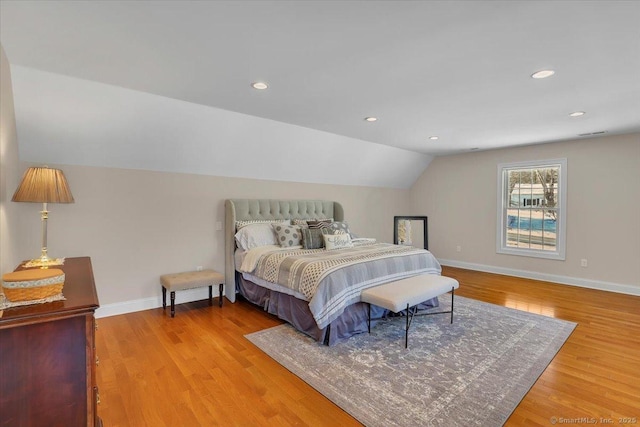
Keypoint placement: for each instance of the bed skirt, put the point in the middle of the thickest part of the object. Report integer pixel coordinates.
(296, 312)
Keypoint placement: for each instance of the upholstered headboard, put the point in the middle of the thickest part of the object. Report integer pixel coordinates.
(248, 209)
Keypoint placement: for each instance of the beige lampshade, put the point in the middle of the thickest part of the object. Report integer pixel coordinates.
(43, 185)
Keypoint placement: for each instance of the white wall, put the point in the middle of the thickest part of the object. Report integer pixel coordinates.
(9, 171)
(459, 194)
(137, 225)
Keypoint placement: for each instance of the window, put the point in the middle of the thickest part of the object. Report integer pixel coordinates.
(532, 208)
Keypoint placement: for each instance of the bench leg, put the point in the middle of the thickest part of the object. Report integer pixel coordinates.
(369, 318)
(452, 291)
(406, 332)
(173, 304)
(164, 298)
(220, 290)
(210, 295)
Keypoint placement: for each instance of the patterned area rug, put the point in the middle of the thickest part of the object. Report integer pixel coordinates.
(474, 372)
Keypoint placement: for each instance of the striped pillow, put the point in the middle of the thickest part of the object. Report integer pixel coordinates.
(300, 223)
(319, 223)
(312, 237)
(304, 222)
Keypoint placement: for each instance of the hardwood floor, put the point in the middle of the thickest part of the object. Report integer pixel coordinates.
(197, 369)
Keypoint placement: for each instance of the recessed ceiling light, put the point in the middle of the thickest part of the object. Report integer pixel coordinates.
(543, 74)
(371, 119)
(259, 85)
(433, 138)
(577, 114)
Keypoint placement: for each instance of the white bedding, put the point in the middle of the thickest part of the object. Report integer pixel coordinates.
(250, 258)
(246, 261)
(250, 265)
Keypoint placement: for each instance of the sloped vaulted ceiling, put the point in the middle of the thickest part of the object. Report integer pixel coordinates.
(165, 85)
(65, 120)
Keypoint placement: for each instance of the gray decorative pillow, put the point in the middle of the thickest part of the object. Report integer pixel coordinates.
(341, 226)
(287, 235)
(312, 237)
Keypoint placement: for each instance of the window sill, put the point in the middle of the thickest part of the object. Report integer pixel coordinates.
(532, 253)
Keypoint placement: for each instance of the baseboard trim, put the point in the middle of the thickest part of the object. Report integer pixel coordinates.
(141, 304)
(564, 280)
(198, 294)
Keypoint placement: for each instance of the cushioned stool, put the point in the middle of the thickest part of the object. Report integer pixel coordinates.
(189, 280)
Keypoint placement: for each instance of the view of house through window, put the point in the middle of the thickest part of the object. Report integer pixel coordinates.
(530, 218)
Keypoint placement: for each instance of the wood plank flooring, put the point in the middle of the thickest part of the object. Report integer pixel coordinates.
(197, 369)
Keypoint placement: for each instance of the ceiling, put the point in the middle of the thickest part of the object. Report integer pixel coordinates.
(457, 70)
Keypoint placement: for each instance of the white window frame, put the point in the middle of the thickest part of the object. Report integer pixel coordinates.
(561, 222)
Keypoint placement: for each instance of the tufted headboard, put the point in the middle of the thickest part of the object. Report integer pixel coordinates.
(247, 209)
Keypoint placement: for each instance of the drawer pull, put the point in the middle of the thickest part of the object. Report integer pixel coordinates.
(97, 361)
(98, 398)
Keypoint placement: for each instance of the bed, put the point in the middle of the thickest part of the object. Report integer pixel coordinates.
(324, 304)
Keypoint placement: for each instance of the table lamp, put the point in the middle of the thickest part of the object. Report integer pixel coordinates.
(43, 185)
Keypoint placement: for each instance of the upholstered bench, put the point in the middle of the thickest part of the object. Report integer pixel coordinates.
(406, 294)
(189, 280)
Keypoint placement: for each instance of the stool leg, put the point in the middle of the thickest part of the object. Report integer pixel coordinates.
(173, 303)
(164, 298)
(220, 289)
(210, 295)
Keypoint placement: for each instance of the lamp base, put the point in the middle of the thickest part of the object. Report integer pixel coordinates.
(44, 262)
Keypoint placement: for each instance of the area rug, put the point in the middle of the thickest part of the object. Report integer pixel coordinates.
(472, 372)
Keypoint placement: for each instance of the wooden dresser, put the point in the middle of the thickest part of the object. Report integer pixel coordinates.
(48, 357)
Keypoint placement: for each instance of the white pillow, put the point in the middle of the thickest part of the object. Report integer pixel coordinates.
(337, 241)
(241, 224)
(255, 235)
